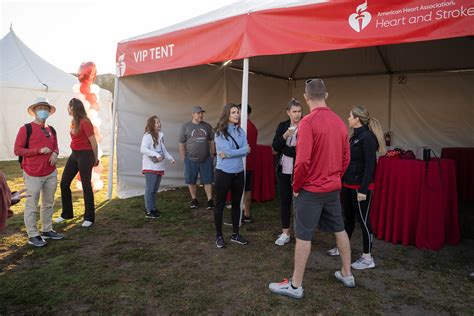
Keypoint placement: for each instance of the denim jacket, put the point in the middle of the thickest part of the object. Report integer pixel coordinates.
(232, 162)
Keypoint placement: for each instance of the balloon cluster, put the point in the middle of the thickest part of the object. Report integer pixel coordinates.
(88, 93)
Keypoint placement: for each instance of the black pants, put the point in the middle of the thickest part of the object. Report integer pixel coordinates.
(81, 161)
(353, 209)
(224, 182)
(286, 196)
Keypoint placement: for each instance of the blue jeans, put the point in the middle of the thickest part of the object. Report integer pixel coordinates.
(152, 184)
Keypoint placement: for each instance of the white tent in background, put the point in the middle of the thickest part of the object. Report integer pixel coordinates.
(25, 76)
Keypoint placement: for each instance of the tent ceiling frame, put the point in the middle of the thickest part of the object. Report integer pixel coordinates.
(384, 60)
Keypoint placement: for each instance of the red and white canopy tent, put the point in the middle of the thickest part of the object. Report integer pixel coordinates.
(409, 62)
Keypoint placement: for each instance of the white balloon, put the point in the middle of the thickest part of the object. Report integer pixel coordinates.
(95, 89)
(79, 185)
(96, 122)
(95, 177)
(100, 152)
(86, 103)
(78, 95)
(92, 114)
(98, 185)
(76, 88)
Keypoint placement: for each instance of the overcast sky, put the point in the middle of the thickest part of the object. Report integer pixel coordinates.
(68, 32)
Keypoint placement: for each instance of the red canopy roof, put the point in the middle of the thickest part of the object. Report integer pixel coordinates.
(284, 27)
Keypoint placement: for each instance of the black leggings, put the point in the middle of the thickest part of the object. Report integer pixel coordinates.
(223, 183)
(286, 196)
(353, 209)
(81, 161)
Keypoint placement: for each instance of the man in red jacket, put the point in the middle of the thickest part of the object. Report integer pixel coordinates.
(322, 156)
(40, 154)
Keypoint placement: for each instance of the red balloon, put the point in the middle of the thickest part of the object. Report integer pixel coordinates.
(98, 138)
(98, 169)
(91, 97)
(95, 106)
(85, 89)
(87, 72)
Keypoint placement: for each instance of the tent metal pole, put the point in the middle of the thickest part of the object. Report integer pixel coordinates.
(110, 185)
(390, 87)
(243, 119)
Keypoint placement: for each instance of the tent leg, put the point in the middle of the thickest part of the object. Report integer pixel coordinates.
(243, 118)
(110, 186)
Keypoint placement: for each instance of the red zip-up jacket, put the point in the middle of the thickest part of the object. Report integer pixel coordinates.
(35, 164)
(322, 152)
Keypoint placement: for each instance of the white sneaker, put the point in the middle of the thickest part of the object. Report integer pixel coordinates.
(285, 288)
(59, 219)
(348, 281)
(87, 224)
(363, 263)
(282, 240)
(334, 252)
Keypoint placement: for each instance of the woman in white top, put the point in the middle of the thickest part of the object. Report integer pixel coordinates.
(153, 165)
(284, 143)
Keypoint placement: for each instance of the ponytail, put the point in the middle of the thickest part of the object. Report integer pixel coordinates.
(376, 128)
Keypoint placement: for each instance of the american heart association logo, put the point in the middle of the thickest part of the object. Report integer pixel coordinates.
(121, 66)
(361, 18)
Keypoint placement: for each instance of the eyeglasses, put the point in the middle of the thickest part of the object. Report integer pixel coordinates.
(311, 80)
(45, 132)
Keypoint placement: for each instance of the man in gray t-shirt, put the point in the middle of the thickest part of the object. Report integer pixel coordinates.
(196, 146)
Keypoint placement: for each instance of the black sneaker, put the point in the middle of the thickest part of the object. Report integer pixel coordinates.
(247, 219)
(220, 243)
(152, 214)
(52, 234)
(210, 205)
(194, 203)
(237, 238)
(37, 241)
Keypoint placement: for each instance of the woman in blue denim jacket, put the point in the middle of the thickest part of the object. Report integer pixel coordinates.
(231, 147)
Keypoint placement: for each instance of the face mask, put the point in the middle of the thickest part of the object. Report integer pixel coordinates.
(42, 114)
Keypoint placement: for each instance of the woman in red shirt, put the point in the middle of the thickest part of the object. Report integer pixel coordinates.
(83, 158)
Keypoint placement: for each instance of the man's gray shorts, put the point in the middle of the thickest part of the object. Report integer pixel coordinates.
(313, 209)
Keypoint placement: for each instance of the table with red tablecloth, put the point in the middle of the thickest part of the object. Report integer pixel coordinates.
(415, 203)
(263, 186)
(464, 160)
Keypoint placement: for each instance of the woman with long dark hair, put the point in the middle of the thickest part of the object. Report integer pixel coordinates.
(358, 180)
(231, 147)
(83, 158)
(153, 165)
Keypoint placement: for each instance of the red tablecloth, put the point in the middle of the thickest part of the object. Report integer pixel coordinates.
(464, 159)
(415, 207)
(263, 187)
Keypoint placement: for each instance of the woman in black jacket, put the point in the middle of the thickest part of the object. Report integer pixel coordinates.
(284, 143)
(358, 180)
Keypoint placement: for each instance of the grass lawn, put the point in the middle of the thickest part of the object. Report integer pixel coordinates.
(126, 264)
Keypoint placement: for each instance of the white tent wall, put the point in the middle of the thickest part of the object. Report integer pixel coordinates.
(429, 109)
(267, 97)
(171, 96)
(434, 110)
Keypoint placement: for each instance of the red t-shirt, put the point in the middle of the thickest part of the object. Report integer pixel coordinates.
(322, 152)
(35, 164)
(252, 134)
(80, 141)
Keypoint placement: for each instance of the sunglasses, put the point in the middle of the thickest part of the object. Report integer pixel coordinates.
(45, 132)
(311, 80)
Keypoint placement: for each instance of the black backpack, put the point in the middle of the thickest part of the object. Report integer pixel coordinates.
(28, 135)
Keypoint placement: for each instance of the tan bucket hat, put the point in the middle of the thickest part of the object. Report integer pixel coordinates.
(41, 101)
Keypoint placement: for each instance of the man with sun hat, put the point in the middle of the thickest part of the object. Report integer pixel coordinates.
(37, 146)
